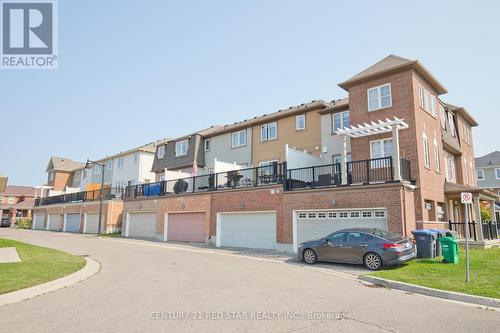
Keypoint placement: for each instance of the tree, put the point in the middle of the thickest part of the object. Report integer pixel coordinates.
(485, 214)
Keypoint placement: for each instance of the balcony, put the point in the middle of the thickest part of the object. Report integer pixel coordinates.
(84, 196)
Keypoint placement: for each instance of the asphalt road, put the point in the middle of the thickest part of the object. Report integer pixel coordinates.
(149, 287)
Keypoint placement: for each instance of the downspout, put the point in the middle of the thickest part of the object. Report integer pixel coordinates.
(404, 210)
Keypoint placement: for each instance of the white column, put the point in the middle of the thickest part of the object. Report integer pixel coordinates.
(395, 154)
(492, 210)
(479, 224)
(344, 160)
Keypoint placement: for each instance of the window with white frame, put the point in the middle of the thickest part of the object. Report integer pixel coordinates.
(181, 148)
(466, 131)
(442, 116)
(302, 215)
(450, 169)
(161, 152)
(1, 199)
(343, 215)
(420, 96)
(97, 170)
(51, 176)
(10, 200)
(466, 172)
(268, 167)
(332, 215)
(427, 101)
(497, 173)
(109, 164)
(354, 215)
(433, 106)
(480, 174)
(269, 131)
(300, 122)
(379, 97)
(452, 124)
(120, 163)
(425, 141)
(311, 215)
(76, 177)
(136, 158)
(322, 215)
(366, 214)
(379, 213)
(381, 148)
(206, 145)
(341, 120)
(437, 160)
(238, 139)
(338, 158)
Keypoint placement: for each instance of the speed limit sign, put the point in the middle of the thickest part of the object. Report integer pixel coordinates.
(466, 197)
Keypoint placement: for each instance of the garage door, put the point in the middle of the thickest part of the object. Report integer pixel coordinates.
(92, 223)
(316, 224)
(251, 230)
(188, 227)
(142, 225)
(73, 222)
(54, 222)
(39, 221)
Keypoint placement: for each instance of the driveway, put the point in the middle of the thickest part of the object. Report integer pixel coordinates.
(149, 287)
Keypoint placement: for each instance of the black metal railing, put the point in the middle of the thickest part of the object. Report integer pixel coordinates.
(249, 177)
(83, 196)
(490, 230)
(405, 170)
(459, 228)
(329, 175)
(370, 171)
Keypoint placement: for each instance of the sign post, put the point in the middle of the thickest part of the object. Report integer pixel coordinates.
(466, 199)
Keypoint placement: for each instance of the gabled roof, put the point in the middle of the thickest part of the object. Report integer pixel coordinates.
(340, 104)
(63, 164)
(391, 64)
(149, 148)
(491, 159)
(463, 112)
(18, 191)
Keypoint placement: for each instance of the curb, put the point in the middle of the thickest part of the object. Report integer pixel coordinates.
(449, 295)
(91, 267)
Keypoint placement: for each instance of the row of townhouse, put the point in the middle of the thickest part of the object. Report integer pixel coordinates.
(488, 175)
(392, 154)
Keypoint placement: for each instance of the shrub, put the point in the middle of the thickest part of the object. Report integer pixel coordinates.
(24, 223)
(485, 214)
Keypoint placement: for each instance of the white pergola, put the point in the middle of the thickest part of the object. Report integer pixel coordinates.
(373, 128)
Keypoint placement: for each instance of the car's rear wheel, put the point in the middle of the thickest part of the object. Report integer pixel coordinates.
(309, 256)
(372, 261)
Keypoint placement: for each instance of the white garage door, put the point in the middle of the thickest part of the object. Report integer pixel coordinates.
(92, 223)
(39, 221)
(251, 230)
(54, 222)
(73, 222)
(142, 225)
(316, 224)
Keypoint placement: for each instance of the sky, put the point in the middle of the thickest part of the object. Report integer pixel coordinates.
(133, 72)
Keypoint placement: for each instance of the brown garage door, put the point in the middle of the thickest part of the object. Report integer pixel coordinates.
(186, 227)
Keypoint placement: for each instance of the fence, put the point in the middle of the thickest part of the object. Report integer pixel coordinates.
(459, 228)
(313, 177)
(83, 196)
(490, 230)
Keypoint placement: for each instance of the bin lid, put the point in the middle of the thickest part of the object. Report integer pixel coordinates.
(424, 232)
(441, 231)
(448, 240)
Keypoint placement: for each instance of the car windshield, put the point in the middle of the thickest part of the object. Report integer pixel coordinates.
(387, 235)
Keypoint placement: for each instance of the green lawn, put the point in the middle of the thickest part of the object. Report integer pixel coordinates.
(38, 265)
(484, 273)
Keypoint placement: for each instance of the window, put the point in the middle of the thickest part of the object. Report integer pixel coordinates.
(311, 215)
(120, 162)
(449, 167)
(497, 173)
(332, 215)
(109, 164)
(269, 131)
(238, 139)
(338, 158)
(206, 145)
(437, 160)
(181, 148)
(268, 167)
(442, 115)
(51, 176)
(356, 237)
(10, 200)
(379, 213)
(1, 199)
(466, 131)
(322, 215)
(466, 172)
(427, 101)
(341, 120)
(354, 215)
(136, 158)
(452, 124)
(381, 148)
(426, 150)
(420, 96)
(366, 214)
(338, 237)
(433, 106)
(343, 215)
(97, 170)
(302, 215)
(300, 122)
(440, 212)
(161, 152)
(480, 174)
(76, 177)
(379, 97)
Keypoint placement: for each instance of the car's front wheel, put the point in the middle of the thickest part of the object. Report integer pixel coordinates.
(373, 261)
(310, 256)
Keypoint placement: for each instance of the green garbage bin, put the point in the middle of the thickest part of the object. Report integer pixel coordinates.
(449, 245)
